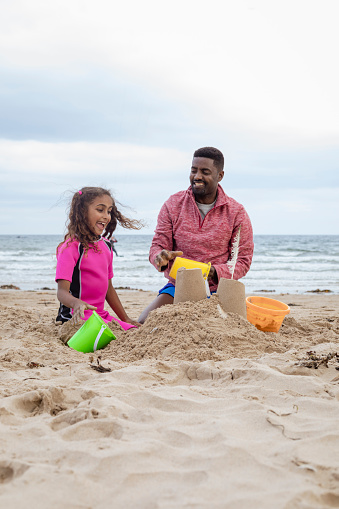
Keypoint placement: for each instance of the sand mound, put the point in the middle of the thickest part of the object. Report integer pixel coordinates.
(187, 331)
(193, 330)
(29, 339)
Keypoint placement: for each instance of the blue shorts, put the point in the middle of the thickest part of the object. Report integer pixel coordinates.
(169, 288)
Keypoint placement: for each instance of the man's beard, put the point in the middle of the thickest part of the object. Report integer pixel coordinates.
(200, 191)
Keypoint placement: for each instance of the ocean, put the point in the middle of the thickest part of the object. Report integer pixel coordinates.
(281, 263)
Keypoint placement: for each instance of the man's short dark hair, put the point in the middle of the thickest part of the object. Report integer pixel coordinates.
(211, 153)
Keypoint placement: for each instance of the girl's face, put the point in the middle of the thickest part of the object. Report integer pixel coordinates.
(99, 214)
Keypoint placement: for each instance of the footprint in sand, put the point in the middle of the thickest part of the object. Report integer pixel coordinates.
(201, 372)
(178, 439)
(143, 483)
(9, 470)
(37, 402)
(52, 401)
(73, 417)
(330, 499)
(8, 418)
(92, 430)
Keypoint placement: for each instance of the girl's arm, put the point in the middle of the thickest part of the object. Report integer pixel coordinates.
(72, 302)
(114, 301)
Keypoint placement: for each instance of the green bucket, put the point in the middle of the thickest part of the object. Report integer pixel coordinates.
(92, 336)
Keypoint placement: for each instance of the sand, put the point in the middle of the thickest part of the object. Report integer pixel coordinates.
(193, 410)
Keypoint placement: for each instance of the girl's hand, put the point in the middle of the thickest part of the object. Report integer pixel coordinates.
(133, 322)
(114, 301)
(79, 311)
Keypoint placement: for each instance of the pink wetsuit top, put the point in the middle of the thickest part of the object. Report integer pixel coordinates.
(93, 273)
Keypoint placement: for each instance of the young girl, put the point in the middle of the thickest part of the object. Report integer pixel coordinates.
(84, 259)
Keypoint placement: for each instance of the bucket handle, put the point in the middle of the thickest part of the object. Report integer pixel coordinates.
(103, 327)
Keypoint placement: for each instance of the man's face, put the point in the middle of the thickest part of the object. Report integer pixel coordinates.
(204, 178)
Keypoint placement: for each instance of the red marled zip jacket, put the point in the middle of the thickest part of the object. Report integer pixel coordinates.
(181, 228)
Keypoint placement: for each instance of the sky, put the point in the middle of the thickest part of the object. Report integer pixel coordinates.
(121, 94)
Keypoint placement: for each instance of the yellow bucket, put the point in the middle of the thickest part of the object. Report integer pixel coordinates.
(266, 314)
(189, 264)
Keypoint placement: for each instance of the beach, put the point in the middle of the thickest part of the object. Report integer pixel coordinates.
(193, 410)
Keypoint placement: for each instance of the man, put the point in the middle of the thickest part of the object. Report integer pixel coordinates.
(113, 240)
(201, 224)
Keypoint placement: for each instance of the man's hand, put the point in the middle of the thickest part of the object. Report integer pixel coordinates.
(78, 311)
(213, 275)
(162, 259)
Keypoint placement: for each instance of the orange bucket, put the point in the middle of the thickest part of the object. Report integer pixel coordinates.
(266, 314)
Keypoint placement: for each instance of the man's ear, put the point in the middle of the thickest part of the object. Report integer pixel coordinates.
(221, 175)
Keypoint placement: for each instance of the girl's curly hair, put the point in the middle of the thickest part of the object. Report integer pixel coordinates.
(77, 224)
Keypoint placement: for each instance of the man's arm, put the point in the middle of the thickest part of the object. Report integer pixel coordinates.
(161, 251)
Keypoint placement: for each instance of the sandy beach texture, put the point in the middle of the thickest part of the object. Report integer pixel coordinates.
(198, 410)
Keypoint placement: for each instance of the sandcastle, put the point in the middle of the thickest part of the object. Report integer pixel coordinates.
(190, 285)
(231, 294)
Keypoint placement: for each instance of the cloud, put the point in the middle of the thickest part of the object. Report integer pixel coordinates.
(267, 71)
(91, 160)
(290, 211)
(99, 105)
(39, 178)
(123, 163)
(120, 95)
